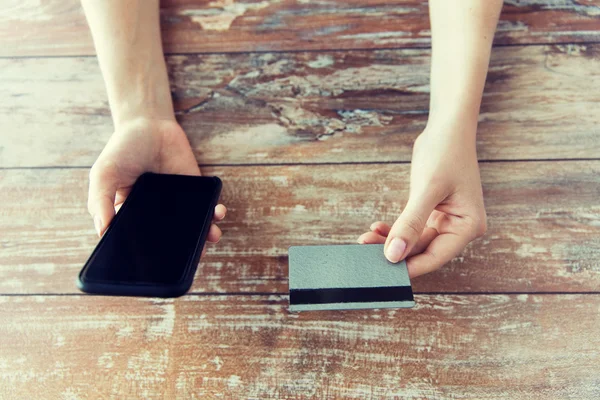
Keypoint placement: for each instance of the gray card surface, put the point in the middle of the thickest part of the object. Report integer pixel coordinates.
(345, 277)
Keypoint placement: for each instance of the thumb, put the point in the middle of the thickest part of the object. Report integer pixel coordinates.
(407, 229)
(101, 196)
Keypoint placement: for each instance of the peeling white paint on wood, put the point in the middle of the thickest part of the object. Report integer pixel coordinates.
(162, 325)
(221, 13)
(275, 108)
(322, 61)
(230, 25)
(327, 204)
(466, 346)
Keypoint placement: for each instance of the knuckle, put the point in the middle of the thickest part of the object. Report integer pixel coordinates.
(93, 171)
(103, 169)
(478, 226)
(90, 205)
(96, 169)
(482, 228)
(414, 223)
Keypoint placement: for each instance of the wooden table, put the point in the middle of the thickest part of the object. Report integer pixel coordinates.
(307, 111)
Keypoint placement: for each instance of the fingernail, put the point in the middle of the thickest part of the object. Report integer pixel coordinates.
(98, 225)
(395, 250)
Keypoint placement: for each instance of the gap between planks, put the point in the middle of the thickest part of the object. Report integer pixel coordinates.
(267, 294)
(341, 163)
(294, 51)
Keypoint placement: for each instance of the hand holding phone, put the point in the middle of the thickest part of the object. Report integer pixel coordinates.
(154, 243)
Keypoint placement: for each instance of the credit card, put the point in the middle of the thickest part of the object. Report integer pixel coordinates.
(346, 277)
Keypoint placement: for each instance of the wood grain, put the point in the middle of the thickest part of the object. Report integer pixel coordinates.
(308, 107)
(448, 347)
(544, 226)
(58, 27)
(250, 102)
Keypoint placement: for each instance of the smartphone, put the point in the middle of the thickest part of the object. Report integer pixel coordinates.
(153, 245)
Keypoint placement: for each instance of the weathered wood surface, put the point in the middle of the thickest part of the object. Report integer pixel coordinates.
(58, 27)
(540, 103)
(448, 347)
(544, 226)
(274, 107)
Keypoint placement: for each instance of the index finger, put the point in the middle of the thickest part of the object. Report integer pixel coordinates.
(101, 197)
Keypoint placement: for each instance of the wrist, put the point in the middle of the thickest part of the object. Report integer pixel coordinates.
(129, 112)
(146, 124)
(141, 95)
(461, 124)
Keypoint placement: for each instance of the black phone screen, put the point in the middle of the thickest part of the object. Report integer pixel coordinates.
(157, 233)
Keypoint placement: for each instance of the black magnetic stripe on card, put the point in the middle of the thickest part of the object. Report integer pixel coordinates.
(351, 295)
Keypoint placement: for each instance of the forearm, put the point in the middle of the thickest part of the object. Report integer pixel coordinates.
(128, 44)
(462, 32)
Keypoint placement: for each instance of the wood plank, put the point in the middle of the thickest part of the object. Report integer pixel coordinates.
(308, 107)
(58, 27)
(544, 226)
(448, 347)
